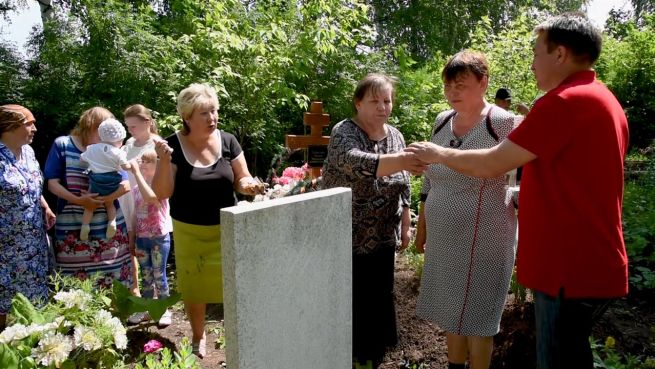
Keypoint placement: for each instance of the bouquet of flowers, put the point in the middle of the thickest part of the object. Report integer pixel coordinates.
(293, 181)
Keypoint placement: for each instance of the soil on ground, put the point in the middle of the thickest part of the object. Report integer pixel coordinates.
(631, 321)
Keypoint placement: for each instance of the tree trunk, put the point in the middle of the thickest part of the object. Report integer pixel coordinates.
(46, 9)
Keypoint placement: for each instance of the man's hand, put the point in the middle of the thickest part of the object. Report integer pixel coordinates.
(425, 152)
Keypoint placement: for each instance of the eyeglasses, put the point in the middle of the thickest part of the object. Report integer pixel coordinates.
(455, 143)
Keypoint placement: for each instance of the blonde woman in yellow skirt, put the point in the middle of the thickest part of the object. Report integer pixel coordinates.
(199, 169)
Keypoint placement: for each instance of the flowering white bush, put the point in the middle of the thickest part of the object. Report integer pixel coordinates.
(73, 330)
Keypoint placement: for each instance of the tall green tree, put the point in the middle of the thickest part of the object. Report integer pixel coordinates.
(642, 8)
(12, 73)
(429, 26)
(266, 59)
(627, 66)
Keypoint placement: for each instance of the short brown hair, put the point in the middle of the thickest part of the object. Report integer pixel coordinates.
(466, 61)
(374, 82)
(145, 114)
(89, 122)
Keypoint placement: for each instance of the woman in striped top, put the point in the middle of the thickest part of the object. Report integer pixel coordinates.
(108, 259)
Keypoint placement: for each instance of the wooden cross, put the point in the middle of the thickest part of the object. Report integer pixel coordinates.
(315, 143)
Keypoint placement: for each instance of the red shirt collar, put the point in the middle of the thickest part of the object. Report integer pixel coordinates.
(585, 76)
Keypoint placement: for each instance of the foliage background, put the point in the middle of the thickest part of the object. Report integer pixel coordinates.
(269, 58)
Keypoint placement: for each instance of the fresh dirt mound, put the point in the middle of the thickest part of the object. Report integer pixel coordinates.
(631, 321)
(420, 342)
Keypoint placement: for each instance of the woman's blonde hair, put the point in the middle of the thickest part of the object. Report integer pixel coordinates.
(89, 122)
(195, 96)
(145, 114)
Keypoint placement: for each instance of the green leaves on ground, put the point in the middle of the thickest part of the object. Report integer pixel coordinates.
(125, 304)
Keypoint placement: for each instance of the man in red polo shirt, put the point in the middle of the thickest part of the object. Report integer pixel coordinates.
(572, 145)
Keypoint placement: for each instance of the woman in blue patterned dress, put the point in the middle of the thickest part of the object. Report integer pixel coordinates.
(24, 263)
(107, 259)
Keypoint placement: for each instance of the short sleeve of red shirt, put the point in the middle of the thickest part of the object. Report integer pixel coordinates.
(539, 133)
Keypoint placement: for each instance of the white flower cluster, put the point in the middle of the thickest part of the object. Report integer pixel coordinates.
(53, 348)
(86, 338)
(17, 332)
(73, 298)
(104, 318)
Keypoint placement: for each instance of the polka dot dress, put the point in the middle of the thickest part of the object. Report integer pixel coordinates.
(470, 248)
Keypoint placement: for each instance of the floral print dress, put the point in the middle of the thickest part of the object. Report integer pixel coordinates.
(24, 253)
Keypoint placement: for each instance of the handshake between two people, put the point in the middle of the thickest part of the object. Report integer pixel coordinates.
(417, 156)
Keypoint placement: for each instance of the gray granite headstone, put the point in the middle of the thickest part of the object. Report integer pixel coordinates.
(287, 282)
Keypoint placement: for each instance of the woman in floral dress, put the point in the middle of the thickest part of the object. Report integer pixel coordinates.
(108, 259)
(24, 262)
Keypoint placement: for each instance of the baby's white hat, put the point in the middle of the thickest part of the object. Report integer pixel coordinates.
(111, 130)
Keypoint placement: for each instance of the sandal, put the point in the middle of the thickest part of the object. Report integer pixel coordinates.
(200, 348)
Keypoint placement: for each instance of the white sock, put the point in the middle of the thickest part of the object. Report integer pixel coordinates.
(111, 229)
(84, 232)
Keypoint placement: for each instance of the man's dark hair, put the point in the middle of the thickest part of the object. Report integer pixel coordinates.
(575, 32)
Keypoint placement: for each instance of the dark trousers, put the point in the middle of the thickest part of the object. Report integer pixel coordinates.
(563, 330)
(374, 314)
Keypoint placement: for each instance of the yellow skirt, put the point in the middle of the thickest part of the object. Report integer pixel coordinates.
(198, 262)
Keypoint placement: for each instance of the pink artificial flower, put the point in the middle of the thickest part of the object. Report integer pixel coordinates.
(152, 346)
(283, 181)
(294, 173)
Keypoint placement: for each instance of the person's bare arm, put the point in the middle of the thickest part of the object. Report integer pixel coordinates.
(404, 228)
(163, 183)
(123, 188)
(419, 242)
(243, 181)
(88, 201)
(48, 215)
(146, 191)
(485, 163)
(396, 162)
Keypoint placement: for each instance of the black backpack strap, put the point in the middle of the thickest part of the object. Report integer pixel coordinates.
(490, 127)
(440, 126)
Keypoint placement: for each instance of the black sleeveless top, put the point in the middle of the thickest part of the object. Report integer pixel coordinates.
(200, 192)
